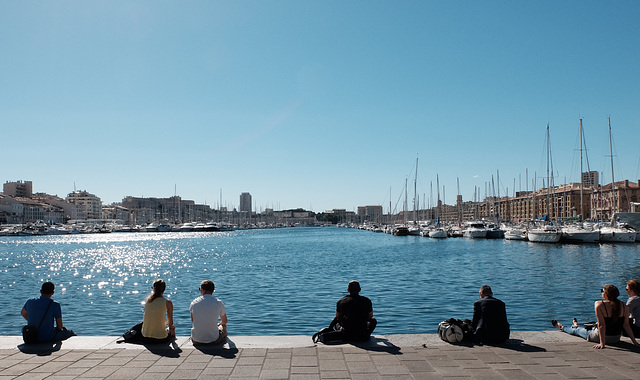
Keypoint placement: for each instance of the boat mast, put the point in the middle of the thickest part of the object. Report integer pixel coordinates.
(581, 181)
(415, 193)
(548, 183)
(613, 183)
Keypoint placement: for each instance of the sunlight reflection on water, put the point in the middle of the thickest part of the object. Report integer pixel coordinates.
(287, 281)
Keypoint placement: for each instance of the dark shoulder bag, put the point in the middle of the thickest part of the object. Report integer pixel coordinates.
(30, 333)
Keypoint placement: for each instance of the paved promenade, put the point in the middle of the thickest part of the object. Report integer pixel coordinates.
(528, 355)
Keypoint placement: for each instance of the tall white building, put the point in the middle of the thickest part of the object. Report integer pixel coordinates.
(245, 202)
(89, 204)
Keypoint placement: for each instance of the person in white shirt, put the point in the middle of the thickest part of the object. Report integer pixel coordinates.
(208, 316)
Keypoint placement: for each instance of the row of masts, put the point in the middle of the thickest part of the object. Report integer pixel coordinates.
(549, 180)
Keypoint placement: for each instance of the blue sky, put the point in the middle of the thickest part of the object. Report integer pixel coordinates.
(319, 105)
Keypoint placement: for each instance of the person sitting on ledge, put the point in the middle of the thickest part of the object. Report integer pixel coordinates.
(354, 315)
(157, 312)
(612, 316)
(633, 303)
(489, 319)
(42, 311)
(205, 312)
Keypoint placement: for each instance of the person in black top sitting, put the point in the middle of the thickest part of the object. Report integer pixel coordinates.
(611, 315)
(354, 315)
(489, 319)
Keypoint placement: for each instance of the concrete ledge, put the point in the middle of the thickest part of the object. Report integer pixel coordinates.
(292, 341)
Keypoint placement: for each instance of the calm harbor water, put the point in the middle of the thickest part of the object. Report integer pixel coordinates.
(287, 281)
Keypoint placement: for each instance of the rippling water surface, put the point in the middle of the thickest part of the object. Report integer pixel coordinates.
(287, 281)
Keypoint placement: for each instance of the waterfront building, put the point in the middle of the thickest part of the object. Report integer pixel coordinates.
(371, 214)
(117, 213)
(70, 211)
(18, 189)
(89, 204)
(612, 198)
(25, 210)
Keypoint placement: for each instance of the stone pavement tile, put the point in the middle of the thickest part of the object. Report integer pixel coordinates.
(472, 364)
(68, 371)
(51, 367)
(304, 361)
(357, 357)
(536, 369)
(253, 352)
(451, 372)
(272, 354)
(222, 362)
(16, 370)
(361, 367)
(515, 373)
(61, 377)
(168, 360)
(250, 360)
(330, 354)
(246, 371)
(275, 374)
(85, 363)
(332, 365)
(335, 375)
(393, 370)
(417, 366)
(385, 360)
(32, 376)
(71, 356)
(192, 366)
(100, 371)
(217, 371)
(8, 362)
(117, 360)
(160, 368)
(185, 374)
(126, 373)
(489, 357)
(141, 363)
(152, 376)
(99, 355)
(305, 351)
(300, 370)
(145, 355)
(304, 376)
(442, 362)
(271, 364)
(605, 373)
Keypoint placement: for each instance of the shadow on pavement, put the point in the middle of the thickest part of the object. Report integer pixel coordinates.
(378, 345)
(218, 349)
(40, 349)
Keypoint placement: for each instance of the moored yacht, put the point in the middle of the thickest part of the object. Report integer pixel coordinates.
(475, 230)
(578, 234)
(544, 234)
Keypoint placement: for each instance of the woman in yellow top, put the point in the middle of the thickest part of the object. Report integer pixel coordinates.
(157, 312)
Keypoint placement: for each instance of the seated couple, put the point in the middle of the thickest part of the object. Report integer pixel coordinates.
(612, 316)
(205, 310)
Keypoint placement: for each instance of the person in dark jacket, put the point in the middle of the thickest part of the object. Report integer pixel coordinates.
(354, 315)
(489, 319)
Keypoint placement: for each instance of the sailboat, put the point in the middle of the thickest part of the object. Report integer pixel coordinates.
(576, 233)
(438, 232)
(613, 233)
(414, 229)
(547, 233)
